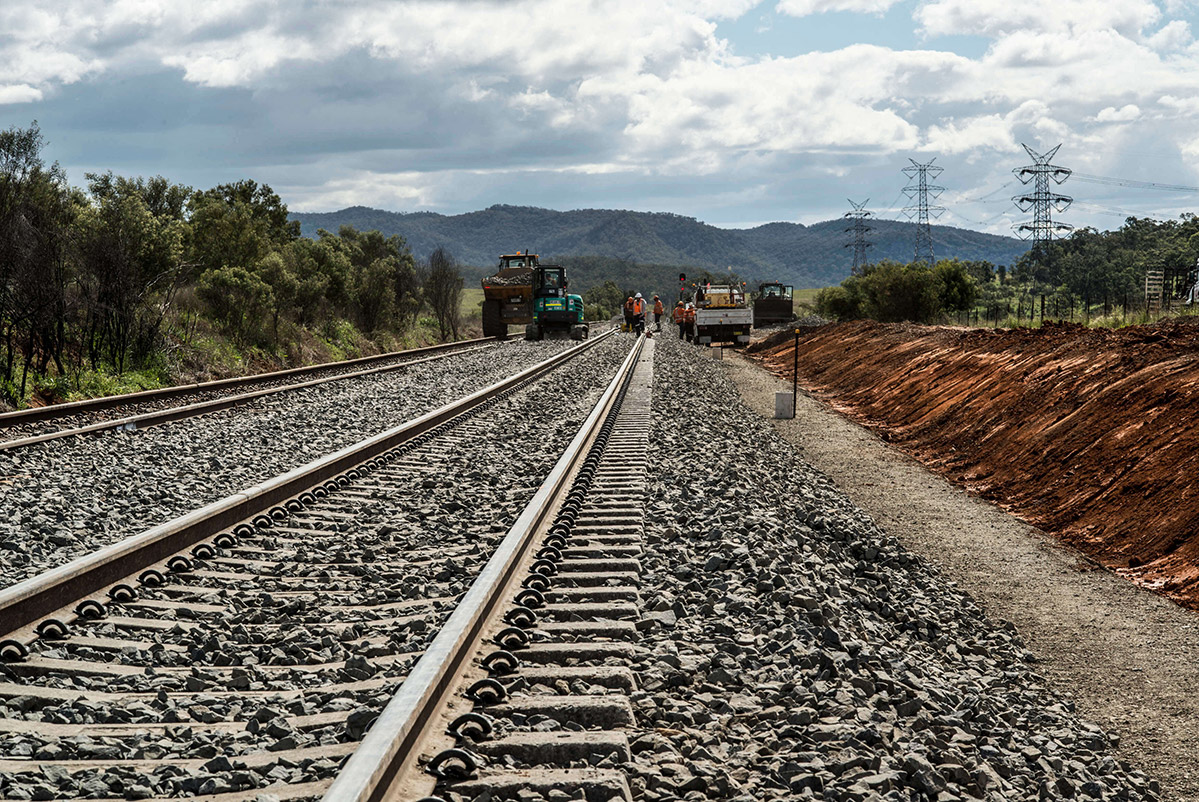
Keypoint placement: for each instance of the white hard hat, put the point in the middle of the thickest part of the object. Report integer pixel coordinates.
(638, 295)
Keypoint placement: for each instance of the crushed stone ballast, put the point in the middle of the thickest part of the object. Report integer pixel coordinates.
(260, 655)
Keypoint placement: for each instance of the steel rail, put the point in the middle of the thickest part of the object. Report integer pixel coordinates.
(35, 414)
(158, 417)
(55, 591)
(389, 748)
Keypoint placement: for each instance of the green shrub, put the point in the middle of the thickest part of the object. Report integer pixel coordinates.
(891, 292)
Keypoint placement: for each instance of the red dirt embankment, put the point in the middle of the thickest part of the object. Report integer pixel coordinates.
(1092, 435)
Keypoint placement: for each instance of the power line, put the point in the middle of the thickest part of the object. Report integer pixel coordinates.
(983, 198)
(1042, 200)
(1116, 210)
(893, 212)
(920, 210)
(986, 222)
(1132, 183)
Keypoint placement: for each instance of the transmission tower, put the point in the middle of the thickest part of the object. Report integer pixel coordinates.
(1042, 200)
(919, 191)
(859, 229)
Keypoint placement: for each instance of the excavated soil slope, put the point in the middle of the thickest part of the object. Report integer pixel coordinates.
(1089, 434)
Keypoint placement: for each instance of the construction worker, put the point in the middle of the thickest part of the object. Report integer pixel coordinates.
(628, 314)
(638, 313)
(658, 310)
(679, 316)
(689, 321)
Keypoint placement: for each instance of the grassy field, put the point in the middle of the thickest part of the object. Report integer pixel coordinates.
(804, 301)
(472, 301)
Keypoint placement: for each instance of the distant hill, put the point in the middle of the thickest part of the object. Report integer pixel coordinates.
(806, 256)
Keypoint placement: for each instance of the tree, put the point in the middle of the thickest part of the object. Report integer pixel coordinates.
(276, 274)
(130, 260)
(36, 212)
(839, 303)
(955, 286)
(238, 224)
(443, 292)
(387, 290)
(374, 293)
(239, 298)
(604, 300)
(893, 292)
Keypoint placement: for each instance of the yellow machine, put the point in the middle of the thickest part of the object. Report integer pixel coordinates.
(508, 295)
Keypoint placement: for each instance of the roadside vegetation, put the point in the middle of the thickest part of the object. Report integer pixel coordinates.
(1092, 277)
(131, 283)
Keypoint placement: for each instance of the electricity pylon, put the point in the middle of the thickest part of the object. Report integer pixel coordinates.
(859, 229)
(1042, 200)
(919, 190)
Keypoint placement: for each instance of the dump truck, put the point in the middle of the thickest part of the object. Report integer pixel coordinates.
(773, 304)
(524, 292)
(722, 314)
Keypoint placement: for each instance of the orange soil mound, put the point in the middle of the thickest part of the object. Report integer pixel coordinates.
(1089, 434)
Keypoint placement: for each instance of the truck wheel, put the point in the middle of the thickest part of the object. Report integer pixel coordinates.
(533, 332)
(493, 320)
(578, 332)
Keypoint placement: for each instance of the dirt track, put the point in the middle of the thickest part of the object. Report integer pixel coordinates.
(1092, 435)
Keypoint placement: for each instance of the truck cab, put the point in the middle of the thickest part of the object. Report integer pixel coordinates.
(773, 304)
(517, 260)
(554, 309)
(722, 314)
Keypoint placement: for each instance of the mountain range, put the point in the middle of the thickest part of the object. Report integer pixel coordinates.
(804, 255)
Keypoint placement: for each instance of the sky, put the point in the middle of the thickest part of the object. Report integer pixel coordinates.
(735, 112)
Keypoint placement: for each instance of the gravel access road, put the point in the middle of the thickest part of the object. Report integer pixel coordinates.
(1128, 659)
(65, 498)
(797, 651)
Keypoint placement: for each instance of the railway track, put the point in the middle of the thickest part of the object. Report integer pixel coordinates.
(252, 643)
(526, 689)
(140, 410)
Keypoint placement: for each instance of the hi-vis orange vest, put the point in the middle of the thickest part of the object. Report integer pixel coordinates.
(679, 314)
(658, 308)
(638, 306)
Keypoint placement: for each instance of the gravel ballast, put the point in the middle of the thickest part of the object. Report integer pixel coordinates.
(431, 519)
(65, 420)
(797, 652)
(63, 499)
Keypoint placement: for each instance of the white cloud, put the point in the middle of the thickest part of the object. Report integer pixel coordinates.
(803, 8)
(1188, 106)
(1190, 148)
(541, 108)
(613, 89)
(989, 132)
(1002, 17)
(1174, 35)
(1181, 6)
(19, 93)
(396, 190)
(1122, 115)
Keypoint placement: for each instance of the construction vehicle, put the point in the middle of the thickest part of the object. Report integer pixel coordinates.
(722, 314)
(773, 304)
(525, 292)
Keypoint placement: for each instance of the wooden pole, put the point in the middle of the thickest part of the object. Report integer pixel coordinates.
(795, 375)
